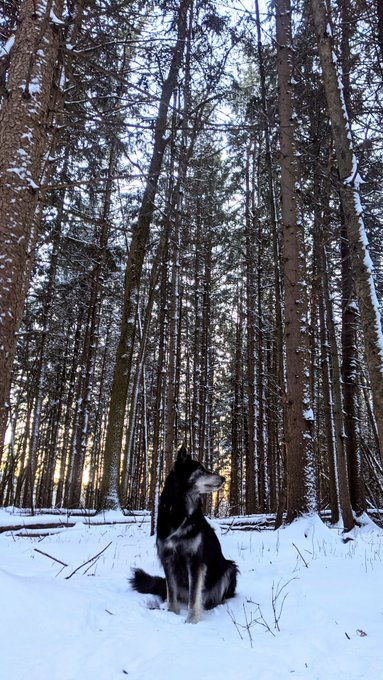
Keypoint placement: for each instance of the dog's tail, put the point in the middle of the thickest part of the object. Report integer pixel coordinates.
(144, 583)
(232, 582)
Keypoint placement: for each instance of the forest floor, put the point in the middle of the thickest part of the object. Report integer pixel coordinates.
(309, 605)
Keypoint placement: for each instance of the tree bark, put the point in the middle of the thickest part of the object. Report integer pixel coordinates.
(340, 446)
(236, 423)
(301, 475)
(277, 452)
(24, 136)
(109, 497)
(175, 218)
(350, 316)
(350, 381)
(352, 209)
(88, 355)
(251, 448)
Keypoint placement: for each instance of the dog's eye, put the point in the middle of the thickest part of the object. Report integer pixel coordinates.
(195, 475)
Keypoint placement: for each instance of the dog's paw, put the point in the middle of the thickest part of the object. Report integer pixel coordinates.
(153, 603)
(192, 618)
(174, 608)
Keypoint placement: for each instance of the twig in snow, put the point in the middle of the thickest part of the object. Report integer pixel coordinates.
(50, 557)
(275, 594)
(229, 611)
(261, 621)
(300, 554)
(248, 625)
(92, 559)
(256, 618)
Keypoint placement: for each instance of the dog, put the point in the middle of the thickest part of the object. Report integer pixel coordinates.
(196, 572)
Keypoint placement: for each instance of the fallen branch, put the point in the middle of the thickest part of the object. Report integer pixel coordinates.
(40, 525)
(50, 557)
(116, 521)
(33, 534)
(92, 559)
(299, 552)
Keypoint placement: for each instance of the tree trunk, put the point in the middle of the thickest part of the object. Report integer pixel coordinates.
(352, 209)
(301, 476)
(251, 448)
(344, 492)
(23, 142)
(139, 370)
(350, 381)
(88, 357)
(173, 333)
(206, 358)
(327, 396)
(157, 456)
(236, 423)
(109, 497)
(350, 317)
(279, 369)
(195, 424)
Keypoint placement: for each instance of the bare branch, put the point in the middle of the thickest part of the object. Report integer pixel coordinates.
(92, 559)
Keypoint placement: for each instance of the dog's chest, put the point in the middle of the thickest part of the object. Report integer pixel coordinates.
(175, 536)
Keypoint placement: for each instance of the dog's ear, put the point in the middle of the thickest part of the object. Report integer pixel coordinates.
(182, 455)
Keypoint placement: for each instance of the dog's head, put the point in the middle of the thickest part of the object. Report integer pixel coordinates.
(193, 476)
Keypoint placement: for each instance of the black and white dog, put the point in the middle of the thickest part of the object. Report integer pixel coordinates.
(196, 571)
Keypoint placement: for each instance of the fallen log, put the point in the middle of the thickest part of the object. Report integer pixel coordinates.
(30, 527)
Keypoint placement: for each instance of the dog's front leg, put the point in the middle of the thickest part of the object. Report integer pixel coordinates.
(171, 589)
(196, 573)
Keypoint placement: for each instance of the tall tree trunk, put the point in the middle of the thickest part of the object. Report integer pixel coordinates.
(236, 424)
(280, 397)
(329, 424)
(70, 414)
(206, 384)
(251, 447)
(157, 456)
(301, 475)
(326, 395)
(350, 380)
(139, 369)
(197, 336)
(350, 316)
(23, 142)
(173, 344)
(342, 476)
(88, 358)
(109, 497)
(352, 209)
(97, 431)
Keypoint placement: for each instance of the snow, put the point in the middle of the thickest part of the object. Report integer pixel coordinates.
(55, 19)
(308, 606)
(32, 184)
(34, 86)
(353, 306)
(6, 49)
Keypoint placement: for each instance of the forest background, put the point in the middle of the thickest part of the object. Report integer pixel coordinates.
(190, 221)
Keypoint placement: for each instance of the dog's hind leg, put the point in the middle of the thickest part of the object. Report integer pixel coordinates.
(196, 582)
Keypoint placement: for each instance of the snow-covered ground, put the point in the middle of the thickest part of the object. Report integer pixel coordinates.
(308, 607)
